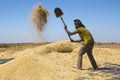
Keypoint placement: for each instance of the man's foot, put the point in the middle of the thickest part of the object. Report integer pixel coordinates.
(96, 68)
(79, 68)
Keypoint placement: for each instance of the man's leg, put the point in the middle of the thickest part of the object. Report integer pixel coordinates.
(80, 55)
(91, 58)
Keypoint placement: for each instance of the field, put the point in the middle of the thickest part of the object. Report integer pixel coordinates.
(57, 61)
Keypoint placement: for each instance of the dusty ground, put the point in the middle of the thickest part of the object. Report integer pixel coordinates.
(57, 61)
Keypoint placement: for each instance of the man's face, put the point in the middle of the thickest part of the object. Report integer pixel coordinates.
(77, 23)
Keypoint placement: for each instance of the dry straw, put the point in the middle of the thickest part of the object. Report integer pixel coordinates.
(60, 47)
(39, 16)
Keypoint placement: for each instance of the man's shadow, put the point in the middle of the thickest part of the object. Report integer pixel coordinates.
(109, 69)
(2, 61)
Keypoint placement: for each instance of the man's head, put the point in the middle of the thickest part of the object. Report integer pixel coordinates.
(78, 23)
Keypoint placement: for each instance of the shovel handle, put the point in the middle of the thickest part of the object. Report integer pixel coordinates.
(66, 26)
(63, 21)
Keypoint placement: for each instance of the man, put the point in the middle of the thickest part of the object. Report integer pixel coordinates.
(88, 43)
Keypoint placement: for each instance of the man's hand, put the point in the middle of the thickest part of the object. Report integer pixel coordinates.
(72, 40)
(65, 27)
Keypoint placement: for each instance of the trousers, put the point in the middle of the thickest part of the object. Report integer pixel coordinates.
(86, 48)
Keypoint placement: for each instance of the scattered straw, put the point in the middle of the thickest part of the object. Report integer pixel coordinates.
(39, 16)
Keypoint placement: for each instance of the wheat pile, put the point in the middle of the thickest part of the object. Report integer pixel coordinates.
(61, 47)
(39, 16)
(57, 61)
(28, 67)
(31, 64)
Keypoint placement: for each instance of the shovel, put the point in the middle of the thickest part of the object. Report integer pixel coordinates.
(59, 13)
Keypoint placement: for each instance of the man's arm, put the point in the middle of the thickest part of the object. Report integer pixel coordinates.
(70, 33)
(80, 40)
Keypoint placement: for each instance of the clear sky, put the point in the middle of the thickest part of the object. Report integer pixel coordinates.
(101, 17)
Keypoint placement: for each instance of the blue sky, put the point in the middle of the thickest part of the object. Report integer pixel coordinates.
(101, 17)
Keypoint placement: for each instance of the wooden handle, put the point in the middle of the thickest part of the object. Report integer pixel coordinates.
(66, 26)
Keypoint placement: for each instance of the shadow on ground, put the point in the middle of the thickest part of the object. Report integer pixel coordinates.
(109, 72)
(113, 69)
(2, 61)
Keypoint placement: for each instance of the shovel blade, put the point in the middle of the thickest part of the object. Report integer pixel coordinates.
(58, 12)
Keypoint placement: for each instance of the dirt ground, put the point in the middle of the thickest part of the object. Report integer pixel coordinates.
(57, 61)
